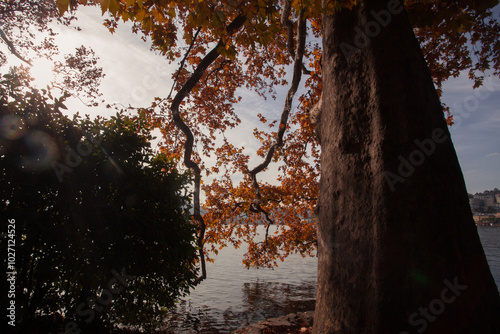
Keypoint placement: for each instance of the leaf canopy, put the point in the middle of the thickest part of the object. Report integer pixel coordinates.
(90, 197)
(455, 36)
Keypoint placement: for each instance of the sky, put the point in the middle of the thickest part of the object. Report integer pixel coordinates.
(476, 132)
(135, 75)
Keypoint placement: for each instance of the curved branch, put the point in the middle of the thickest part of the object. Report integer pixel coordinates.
(209, 58)
(305, 70)
(286, 22)
(11, 47)
(297, 75)
(181, 65)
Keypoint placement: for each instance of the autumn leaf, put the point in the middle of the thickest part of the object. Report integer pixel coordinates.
(216, 62)
(63, 5)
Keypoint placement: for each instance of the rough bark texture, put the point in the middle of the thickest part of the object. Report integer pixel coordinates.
(398, 253)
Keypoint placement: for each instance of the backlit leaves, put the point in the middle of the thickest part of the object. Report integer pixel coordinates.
(256, 57)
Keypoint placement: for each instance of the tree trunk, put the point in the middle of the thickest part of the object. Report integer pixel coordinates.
(398, 248)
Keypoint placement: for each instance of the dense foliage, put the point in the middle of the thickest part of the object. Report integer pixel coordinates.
(27, 31)
(96, 211)
(223, 46)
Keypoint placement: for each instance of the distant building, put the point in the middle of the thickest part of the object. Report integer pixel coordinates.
(475, 203)
(487, 201)
(482, 219)
(484, 200)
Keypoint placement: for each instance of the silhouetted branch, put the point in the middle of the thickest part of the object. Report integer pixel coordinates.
(297, 75)
(11, 47)
(181, 66)
(209, 58)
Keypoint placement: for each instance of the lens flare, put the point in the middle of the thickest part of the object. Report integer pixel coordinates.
(12, 127)
(43, 153)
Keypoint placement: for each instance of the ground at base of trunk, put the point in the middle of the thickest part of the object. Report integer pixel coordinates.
(294, 323)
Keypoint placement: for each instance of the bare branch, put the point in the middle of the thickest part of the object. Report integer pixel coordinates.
(305, 70)
(285, 21)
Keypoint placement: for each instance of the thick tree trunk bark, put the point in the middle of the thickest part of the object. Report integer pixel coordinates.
(398, 249)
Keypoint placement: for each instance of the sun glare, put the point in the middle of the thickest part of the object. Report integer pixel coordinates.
(42, 71)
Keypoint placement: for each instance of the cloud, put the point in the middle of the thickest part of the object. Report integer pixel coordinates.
(492, 154)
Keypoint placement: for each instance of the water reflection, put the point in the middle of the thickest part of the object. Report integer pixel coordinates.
(233, 297)
(261, 300)
(282, 298)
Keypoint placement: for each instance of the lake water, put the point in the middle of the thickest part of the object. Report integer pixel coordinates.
(490, 238)
(233, 297)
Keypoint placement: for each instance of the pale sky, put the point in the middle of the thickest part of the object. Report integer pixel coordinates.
(476, 133)
(135, 75)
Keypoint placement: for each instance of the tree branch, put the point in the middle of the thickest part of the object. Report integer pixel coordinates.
(297, 75)
(11, 47)
(209, 58)
(286, 22)
(181, 65)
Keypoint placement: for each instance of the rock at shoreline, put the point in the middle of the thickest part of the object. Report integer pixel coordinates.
(300, 322)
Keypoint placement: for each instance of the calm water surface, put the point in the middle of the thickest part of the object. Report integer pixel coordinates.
(490, 238)
(233, 297)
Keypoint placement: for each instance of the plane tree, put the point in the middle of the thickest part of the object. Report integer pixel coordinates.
(398, 249)
(226, 45)
(380, 86)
